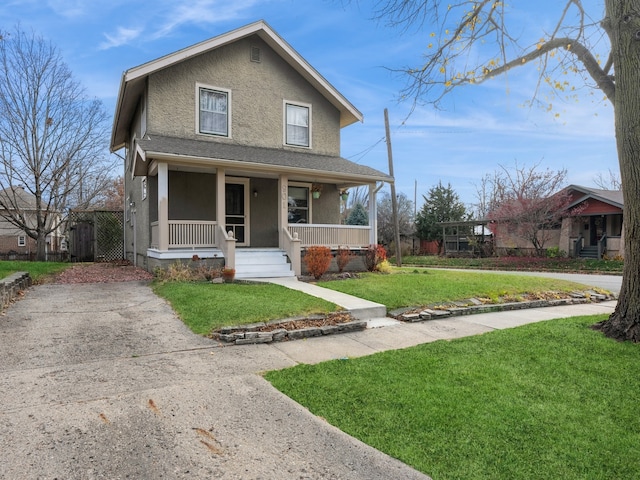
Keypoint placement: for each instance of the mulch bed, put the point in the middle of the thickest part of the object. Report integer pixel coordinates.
(104, 272)
(296, 324)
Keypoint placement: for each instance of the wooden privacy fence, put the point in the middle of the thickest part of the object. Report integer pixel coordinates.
(96, 235)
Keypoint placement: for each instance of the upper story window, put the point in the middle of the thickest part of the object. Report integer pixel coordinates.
(22, 240)
(214, 111)
(298, 125)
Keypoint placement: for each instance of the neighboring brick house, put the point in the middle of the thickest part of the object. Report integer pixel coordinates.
(591, 227)
(13, 240)
(233, 155)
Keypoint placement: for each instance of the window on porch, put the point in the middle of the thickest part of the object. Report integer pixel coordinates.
(298, 204)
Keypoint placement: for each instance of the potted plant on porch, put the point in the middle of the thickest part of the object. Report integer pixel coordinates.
(316, 188)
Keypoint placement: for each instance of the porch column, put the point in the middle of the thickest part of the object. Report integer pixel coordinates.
(373, 215)
(163, 206)
(220, 198)
(283, 208)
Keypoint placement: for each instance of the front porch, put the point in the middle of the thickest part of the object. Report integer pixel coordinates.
(209, 241)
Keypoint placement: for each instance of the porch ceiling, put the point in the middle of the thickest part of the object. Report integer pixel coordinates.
(189, 153)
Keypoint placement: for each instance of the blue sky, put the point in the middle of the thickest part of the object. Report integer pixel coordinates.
(477, 128)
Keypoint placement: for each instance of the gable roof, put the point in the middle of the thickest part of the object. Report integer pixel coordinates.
(612, 197)
(133, 80)
(17, 198)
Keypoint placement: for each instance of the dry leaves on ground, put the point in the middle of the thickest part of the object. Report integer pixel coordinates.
(102, 273)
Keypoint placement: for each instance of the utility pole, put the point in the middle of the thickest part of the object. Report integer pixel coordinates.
(394, 199)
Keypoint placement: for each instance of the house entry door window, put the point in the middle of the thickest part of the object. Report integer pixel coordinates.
(236, 207)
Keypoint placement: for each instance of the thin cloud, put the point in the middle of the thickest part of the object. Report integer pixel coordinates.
(69, 8)
(203, 12)
(122, 37)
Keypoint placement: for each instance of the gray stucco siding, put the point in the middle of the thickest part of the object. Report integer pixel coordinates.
(258, 93)
(192, 196)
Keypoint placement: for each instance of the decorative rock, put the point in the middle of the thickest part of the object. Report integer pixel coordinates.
(410, 317)
(329, 329)
(279, 334)
(305, 333)
(251, 341)
(353, 326)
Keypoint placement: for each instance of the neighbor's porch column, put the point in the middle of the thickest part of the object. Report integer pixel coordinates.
(373, 215)
(163, 206)
(283, 208)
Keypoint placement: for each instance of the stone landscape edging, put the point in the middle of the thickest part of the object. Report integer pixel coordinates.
(11, 285)
(410, 314)
(251, 334)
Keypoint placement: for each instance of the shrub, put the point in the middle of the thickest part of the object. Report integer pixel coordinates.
(384, 266)
(317, 259)
(374, 255)
(555, 252)
(183, 272)
(343, 257)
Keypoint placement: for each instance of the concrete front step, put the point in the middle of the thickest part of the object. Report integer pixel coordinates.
(262, 263)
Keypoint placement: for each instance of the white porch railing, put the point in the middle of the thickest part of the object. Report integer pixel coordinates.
(333, 236)
(186, 234)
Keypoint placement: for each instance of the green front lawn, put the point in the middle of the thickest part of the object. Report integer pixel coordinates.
(205, 307)
(548, 400)
(406, 288)
(37, 270)
(537, 264)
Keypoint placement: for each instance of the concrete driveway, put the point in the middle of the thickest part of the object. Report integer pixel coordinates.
(102, 381)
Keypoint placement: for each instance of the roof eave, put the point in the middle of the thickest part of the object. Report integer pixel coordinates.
(259, 167)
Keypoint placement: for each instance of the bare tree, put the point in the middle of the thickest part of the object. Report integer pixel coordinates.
(527, 202)
(612, 182)
(53, 138)
(475, 40)
(386, 224)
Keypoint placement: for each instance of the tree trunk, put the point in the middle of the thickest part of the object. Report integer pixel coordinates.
(623, 26)
(41, 247)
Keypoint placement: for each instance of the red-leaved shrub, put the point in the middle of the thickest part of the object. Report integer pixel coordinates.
(374, 256)
(317, 259)
(343, 257)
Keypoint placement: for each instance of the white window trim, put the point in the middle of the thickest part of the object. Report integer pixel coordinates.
(200, 86)
(144, 188)
(284, 123)
(309, 197)
(22, 240)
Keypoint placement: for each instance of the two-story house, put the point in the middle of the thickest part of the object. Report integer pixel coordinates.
(233, 154)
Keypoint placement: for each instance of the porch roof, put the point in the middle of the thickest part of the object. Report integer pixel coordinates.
(257, 159)
(611, 197)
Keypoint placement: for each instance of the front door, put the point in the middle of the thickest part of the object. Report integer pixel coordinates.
(236, 210)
